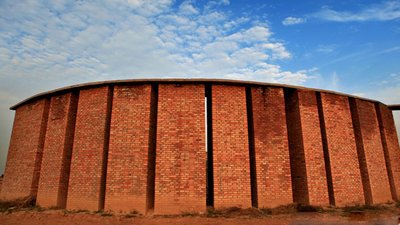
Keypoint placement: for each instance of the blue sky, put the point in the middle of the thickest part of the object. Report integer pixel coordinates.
(346, 46)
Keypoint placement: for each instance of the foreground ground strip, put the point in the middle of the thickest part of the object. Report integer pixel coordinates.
(385, 214)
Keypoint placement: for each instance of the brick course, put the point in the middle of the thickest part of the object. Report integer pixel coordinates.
(346, 177)
(313, 150)
(390, 144)
(22, 172)
(306, 148)
(128, 150)
(230, 147)
(141, 146)
(274, 185)
(379, 188)
(296, 148)
(180, 184)
(87, 161)
(53, 184)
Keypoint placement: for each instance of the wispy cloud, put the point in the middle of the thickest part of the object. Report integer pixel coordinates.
(187, 8)
(89, 41)
(389, 10)
(388, 50)
(326, 48)
(384, 11)
(392, 80)
(387, 90)
(293, 20)
(49, 44)
(334, 82)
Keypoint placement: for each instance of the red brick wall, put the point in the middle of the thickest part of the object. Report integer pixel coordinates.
(274, 185)
(230, 147)
(391, 146)
(313, 151)
(374, 158)
(296, 148)
(180, 184)
(128, 151)
(22, 171)
(87, 161)
(142, 147)
(53, 184)
(346, 177)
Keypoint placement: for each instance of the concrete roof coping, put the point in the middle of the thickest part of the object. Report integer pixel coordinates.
(180, 80)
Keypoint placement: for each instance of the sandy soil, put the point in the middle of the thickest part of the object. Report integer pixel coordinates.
(50, 217)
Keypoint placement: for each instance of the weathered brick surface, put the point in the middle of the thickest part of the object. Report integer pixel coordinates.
(53, 183)
(22, 171)
(312, 145)
(128, 151)
(391, 146)
(180, 184)
(274, 185)
(374, 157)
(84, 190)
(142, 146)
(346, 177)
(296, 148)
(230, 147)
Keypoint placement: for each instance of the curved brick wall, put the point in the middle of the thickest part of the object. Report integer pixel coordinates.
(172, 146)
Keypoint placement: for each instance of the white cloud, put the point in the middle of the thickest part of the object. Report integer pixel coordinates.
(48, 45)
(145, 7)
(326, 48)
(278, 50)
(215, 3)
(392, 79)
(252, 35)
(187, 8)
(389, 10)
(293, 20)
(109, 40)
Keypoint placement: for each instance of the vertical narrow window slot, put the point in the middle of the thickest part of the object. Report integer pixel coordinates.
(209, 147)
(106, 146)
(296, 147)
(151, 158)
(252, 156)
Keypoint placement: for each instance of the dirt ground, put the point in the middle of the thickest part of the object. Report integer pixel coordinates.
(50, 217)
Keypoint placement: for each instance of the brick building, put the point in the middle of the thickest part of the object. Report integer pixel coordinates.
(181, 145)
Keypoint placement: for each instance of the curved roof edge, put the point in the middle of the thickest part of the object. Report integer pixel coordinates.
(177, 80)
(394, 107)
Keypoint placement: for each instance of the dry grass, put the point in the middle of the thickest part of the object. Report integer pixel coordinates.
(27, 203)
(133, 213)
